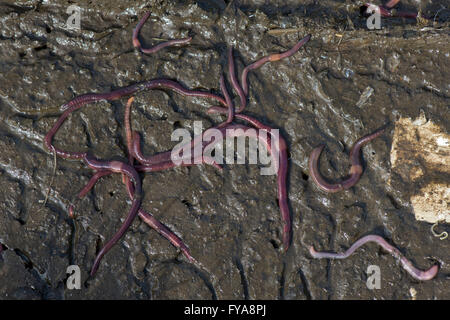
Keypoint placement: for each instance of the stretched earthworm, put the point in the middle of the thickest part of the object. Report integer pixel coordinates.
(355, 170)
(156, 48)
(391, 3)
(243, 90)
(281, 173)
(270, 58)
(81, 100)
(282, 165)
(162, 165)
(158, 226)
(128, 131)
(385, 11)
(145, 216)
(281, 178)
(118, 167)
(406, 264)
(228, 100)
(158, 162)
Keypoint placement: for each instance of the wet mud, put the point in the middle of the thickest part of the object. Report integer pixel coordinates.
(345, 83)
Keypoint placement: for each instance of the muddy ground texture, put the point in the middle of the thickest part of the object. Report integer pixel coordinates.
(230, 220)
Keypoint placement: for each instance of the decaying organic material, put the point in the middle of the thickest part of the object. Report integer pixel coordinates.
(421, 155)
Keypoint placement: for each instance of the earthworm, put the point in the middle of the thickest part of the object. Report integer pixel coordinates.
(243, 90)
(270, 58)
(237, 88)
(235, 82)
(158, 226)
(391, 3)
(281, 173)
(81, 100)
(145, 216)
(442, 236)
(406, 264)
(156, 48)
(158, 162)
(282, 164)
(281, 178)
(355, 170)
(118, 167)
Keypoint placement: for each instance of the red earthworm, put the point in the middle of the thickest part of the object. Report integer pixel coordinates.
(385, 11)
(355, 170)
(243, 91)
(80, 101)
(164, 158)
(118, 167)
(145, 216)
(228, 101)
(270, 58)
(281, 174)
(406, 264)
(128, 131)
(281, 179)
(156, 48)
(158, 226)
(234, 81)
(391, 3)
(92, 182)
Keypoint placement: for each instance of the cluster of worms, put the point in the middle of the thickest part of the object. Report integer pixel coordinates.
(139, 163)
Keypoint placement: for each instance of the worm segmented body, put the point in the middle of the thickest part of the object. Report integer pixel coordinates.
(406, 264)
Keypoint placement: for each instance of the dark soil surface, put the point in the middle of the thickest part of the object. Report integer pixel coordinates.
(230, 220)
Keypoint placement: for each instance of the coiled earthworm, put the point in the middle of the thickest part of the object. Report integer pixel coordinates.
(228, 100)
(406, 264)
(156, 48)
(118, 167)
(355, 170)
